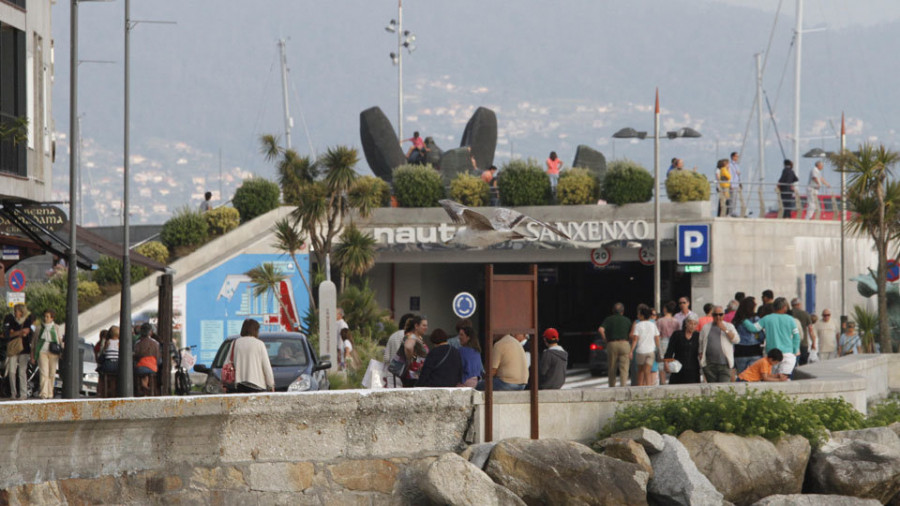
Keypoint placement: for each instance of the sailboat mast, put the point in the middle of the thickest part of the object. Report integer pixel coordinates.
(762, 144)
(798, 52)
(288, 121)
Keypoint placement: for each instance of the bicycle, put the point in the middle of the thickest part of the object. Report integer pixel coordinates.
(183, 360)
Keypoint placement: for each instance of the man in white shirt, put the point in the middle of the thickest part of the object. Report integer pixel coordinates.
(816, 180)
(827, 331)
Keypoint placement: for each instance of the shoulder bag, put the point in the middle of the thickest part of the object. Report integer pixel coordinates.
(228, 372)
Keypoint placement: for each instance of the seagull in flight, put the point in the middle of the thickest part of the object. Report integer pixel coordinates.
(481, 231)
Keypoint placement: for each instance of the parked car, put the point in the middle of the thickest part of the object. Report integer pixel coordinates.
(598, 362)
(828, 205)
(89, 375)
(295, 364)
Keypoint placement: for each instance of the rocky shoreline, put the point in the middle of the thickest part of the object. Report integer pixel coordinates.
(640, 466)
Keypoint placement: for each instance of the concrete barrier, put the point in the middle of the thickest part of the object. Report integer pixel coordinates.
(350, 442)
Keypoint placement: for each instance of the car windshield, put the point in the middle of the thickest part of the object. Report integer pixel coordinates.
(283, 351)
(286, 352)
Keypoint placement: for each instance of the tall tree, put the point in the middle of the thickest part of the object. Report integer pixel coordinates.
(355, 254)
(873, 198)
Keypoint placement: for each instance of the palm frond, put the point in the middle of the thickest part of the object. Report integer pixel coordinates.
(340, 163)
(269, 146)
(355, 254)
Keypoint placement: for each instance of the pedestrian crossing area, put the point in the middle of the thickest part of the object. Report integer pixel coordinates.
(579, 377)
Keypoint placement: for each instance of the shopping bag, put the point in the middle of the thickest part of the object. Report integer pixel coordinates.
(373, 378)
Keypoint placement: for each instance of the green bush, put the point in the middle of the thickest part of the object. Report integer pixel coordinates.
(222, 220)
(577, 187)
(763, 413)
(187, 228)
(523, 183)
(626, 182)
(417, 186)
(40, 297)
(109, 271)
(255, 197)
(154, 250)
(373, 187)
(87, 290)
(470, 190)
(687, 186)
(884, 413)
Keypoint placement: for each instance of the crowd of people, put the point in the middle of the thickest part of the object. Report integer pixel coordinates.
(32, 342)
(457, 361)
(741, 341)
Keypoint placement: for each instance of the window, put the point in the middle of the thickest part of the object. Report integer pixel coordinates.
(12, 97)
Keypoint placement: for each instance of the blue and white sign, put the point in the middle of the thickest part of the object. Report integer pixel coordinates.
(464, 305)
(693, 244)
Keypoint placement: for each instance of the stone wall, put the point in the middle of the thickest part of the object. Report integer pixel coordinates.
(330, 447)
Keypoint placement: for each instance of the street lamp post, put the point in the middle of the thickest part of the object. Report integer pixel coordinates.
(630, 133)
(405, 39)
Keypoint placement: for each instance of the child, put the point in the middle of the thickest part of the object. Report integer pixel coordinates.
(761, 370)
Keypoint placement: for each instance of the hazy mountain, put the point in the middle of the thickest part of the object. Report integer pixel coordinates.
(558, 74)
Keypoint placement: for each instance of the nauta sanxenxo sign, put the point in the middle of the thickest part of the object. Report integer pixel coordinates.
(579, 231)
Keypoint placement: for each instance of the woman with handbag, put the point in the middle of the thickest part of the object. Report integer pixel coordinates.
(17, 334)
(47, 350)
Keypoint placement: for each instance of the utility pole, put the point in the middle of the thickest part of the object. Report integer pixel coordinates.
(843, 210)
(400, 69)
(657, 268)
(71, 378)
(126, 373)
(288, 121)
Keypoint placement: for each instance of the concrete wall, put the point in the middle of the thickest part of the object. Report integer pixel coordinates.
(335, 447)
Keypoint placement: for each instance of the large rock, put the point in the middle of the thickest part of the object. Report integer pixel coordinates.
(481, 136)
(589, 158)
(552, 471)
(879, 435)
(452, 479)
(651, 440)
(629, 451)
(855, 468)
(815, 500)
(746, 469)
(676, 480)
(380, 143)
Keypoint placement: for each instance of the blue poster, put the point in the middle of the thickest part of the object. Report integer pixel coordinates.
(220, 300)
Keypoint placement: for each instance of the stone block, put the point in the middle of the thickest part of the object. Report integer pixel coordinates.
(454, 162)
(629, 451)
(855, 468)
(281, 477)
(480, 135)
(365, 475)
(380, 143)
(102, 490)
(589, 158)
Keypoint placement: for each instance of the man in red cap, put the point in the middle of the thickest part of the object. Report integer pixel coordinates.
(553, 363)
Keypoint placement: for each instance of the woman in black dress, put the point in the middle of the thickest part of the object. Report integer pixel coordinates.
(443, 364)
(684, 346)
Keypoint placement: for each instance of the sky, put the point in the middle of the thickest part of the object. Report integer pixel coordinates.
(558, 74)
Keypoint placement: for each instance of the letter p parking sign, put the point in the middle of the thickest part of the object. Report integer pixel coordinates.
(693, 244)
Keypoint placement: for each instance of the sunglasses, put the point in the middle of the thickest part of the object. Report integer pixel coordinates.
(718, 314)
(825, 315)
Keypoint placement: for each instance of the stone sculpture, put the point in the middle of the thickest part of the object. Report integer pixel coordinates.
(480, 136)
(380, 144)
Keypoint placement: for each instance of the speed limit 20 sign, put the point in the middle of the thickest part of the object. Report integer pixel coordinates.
(601, 257)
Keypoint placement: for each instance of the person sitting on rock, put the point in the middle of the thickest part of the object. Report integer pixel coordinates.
(761, 370)
(416, 153)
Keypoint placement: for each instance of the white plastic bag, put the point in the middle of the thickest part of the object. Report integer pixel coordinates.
(673, 366)
(813, 356)
(373, 377)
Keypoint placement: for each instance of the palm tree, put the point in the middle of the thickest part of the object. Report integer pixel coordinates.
(290, 240)
(293, 170)
(355, 254)
(868, 194)
(266, 278)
